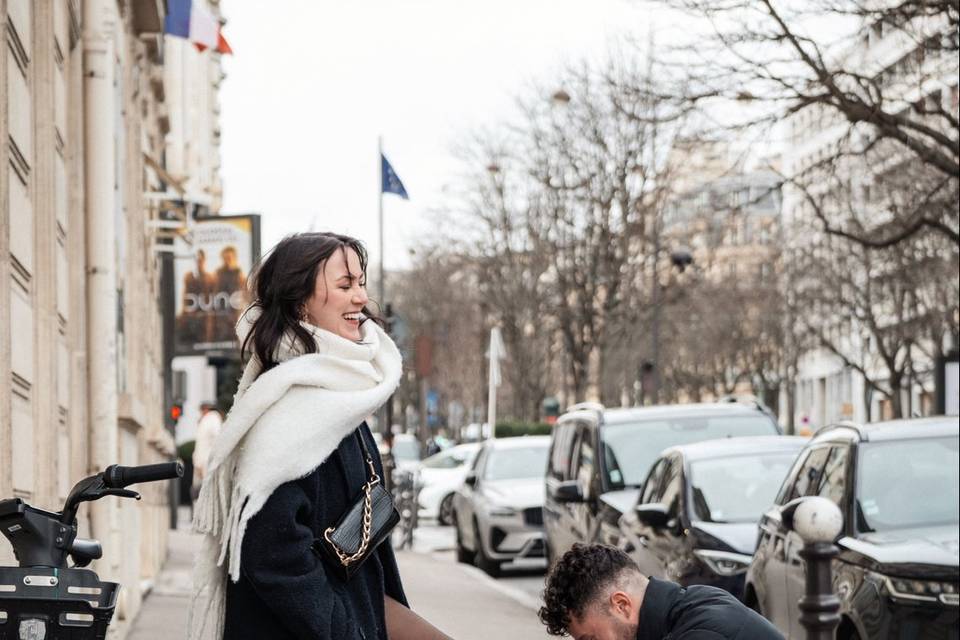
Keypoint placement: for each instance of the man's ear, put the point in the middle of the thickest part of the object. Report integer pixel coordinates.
(621, 605)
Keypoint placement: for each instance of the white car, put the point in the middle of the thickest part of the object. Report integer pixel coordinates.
(498, 510)
(406, 452)
(439, 477)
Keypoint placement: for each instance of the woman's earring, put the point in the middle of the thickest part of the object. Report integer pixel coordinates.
(303, 314)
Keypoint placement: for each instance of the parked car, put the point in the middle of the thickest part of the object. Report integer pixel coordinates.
(599, 458)
(696, 518)
(439, 477)
(406, 452)
(897, 575)
(499, 508)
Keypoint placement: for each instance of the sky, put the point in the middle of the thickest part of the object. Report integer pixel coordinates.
(312, 84)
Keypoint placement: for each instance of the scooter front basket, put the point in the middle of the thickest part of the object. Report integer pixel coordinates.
(46, 603)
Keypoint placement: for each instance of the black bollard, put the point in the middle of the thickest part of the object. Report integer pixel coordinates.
(819, 607)
(818, 521)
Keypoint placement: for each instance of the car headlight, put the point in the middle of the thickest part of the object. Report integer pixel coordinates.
(724, 563)
(921, 590)
(502, 512)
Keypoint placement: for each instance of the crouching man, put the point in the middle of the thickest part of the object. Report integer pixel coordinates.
(596, 592)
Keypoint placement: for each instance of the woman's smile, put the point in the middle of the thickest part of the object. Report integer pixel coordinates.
(339, 296)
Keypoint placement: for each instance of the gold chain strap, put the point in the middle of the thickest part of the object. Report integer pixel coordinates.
(367, 521)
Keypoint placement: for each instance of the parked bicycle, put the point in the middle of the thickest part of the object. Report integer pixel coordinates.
(405, 496)
(44, 597)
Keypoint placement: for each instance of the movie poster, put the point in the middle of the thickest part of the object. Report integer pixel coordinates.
(210, 283)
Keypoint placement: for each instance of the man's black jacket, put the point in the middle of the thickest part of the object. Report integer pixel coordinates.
(670, 612)
(285, 591)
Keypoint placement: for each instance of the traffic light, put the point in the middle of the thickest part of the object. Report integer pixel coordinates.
(176, 410)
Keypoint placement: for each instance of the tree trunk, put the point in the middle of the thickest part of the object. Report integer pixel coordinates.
(896, 395)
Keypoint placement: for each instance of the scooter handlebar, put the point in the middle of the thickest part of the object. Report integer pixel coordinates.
(117, 477)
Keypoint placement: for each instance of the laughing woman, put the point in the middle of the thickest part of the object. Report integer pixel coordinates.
(294, 456)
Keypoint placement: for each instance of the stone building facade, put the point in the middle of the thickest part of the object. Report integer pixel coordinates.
(912, 74)
(84, 120)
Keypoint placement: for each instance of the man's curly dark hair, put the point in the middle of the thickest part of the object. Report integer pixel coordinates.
(579, 577)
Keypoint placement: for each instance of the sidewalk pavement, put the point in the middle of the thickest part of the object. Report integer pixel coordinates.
(163, 615)
(465, 603)
(462, 601)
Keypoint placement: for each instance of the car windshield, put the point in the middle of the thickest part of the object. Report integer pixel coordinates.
(738, 488)
(405, 449)
(517, 463)
(449, 459)
(908, 483)
(631, 447)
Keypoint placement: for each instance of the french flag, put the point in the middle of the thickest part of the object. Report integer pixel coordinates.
(190, 19)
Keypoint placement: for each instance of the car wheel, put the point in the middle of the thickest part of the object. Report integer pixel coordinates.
(750, 599)
(464, 555)
(445, 513)
(486, 564)
(846, 630)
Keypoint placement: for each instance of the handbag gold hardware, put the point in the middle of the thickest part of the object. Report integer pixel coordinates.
(347, 559)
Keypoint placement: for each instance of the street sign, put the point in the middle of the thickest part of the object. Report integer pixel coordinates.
(433, 408)
(551, 409)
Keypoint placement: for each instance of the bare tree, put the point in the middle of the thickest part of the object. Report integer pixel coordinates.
(723, 311)
(724, 328)
(510, 272)
(437, 302)
(883, 313)
(597, 159)
(899, 115)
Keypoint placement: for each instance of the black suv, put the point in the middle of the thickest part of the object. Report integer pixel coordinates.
(600, 457)
(897, 484)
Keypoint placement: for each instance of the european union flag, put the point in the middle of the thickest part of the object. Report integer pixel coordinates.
(389, 181)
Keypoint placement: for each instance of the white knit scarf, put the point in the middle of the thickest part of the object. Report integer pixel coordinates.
(284, 423)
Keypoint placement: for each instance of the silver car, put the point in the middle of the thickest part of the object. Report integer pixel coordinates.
(499, 508)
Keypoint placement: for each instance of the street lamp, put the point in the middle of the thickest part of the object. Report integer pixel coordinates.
(681, 259)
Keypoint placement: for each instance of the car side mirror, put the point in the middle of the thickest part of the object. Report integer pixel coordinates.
(471, 479)
(786, 512)
(567, 491)
(653, 514)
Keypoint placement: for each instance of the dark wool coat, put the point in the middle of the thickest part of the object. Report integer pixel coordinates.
(670, 612)
(287, 592)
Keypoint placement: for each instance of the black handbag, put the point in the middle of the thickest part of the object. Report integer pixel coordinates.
(362, 528)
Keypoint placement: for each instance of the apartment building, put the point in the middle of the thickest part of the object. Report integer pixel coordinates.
(917, 74)
(85, 115)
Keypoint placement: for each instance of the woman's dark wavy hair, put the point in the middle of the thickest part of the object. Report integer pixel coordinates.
(578, 579)
(281, 284)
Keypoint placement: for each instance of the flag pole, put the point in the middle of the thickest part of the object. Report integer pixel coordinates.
(381, 281)
(385, 413)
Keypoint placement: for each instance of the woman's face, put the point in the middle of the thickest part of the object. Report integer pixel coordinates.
(338, 295)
